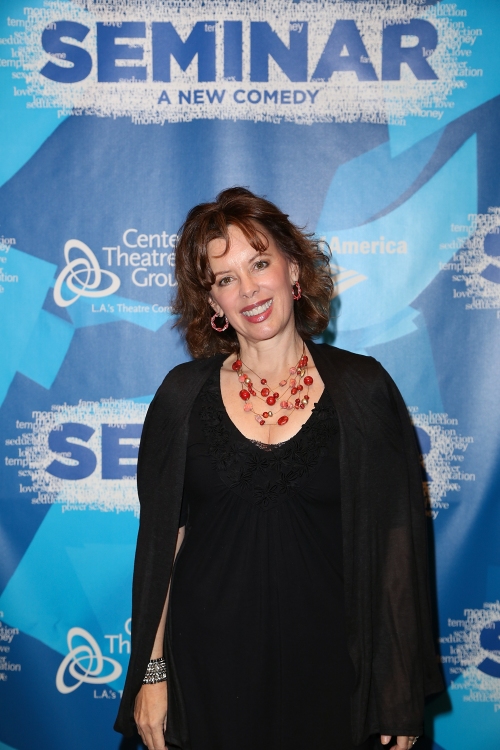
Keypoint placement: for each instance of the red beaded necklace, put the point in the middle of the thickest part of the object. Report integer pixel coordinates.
(292, 383)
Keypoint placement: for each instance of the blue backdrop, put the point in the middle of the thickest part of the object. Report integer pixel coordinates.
(375, 125)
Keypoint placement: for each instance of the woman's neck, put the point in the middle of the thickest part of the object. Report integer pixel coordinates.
(271, 359)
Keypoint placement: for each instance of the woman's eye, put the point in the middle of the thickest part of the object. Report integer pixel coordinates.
(224, 281)
(261, 264)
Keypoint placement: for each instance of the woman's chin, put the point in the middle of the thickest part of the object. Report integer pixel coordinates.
(264, 331)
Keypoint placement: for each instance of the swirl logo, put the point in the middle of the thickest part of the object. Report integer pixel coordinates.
(85, 663)
(83, 276)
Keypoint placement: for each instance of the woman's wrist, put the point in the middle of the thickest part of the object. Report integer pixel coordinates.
(156, 671)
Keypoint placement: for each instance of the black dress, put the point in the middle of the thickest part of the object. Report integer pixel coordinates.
(257, 621)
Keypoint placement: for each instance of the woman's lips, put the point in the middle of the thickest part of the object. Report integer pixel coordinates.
(258, 313)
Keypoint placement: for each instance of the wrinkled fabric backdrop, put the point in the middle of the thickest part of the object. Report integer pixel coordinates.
(375, 125)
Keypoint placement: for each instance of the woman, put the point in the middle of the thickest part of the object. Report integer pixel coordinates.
(283, 479)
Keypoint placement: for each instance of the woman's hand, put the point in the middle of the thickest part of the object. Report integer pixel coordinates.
(402, 742)
(150, 714)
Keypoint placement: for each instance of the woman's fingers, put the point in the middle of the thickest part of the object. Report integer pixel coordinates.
(406, 742)
(152, 736)
(403, 742)
(151, 714)
(157, 741)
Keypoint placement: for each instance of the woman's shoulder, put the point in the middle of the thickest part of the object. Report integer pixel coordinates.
(348, 363)
(362, 380)
(173, 399)
(186, 376)
(360, 375)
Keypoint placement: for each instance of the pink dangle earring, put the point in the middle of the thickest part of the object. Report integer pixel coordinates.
(214, 325)
(299, 291)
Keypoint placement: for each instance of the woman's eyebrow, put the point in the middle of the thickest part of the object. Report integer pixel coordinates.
(257, 255)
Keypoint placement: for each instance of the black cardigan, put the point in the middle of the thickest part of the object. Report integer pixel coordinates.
(384, 536)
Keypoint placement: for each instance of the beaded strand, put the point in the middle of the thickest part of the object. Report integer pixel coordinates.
(292, 383)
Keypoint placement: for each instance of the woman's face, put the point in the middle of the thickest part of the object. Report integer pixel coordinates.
(254, 290)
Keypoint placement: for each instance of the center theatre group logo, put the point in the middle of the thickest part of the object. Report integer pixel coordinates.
(83, 276)
(85, 663)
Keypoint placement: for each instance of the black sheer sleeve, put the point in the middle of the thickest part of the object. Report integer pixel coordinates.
(403, 649)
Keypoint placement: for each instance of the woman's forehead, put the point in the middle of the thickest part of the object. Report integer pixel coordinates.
(238, 244)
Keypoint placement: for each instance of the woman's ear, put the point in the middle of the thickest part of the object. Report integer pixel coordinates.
(216, 308)
(294, 272)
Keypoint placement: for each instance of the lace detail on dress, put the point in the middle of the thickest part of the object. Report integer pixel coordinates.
(261, 473)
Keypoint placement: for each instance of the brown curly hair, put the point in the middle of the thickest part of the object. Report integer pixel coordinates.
(257, 218)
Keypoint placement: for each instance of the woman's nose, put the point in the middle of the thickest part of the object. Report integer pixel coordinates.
(249, 287)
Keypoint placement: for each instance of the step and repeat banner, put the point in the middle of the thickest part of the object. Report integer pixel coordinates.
(374, 124)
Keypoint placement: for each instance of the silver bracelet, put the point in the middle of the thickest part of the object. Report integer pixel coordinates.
(156, 671)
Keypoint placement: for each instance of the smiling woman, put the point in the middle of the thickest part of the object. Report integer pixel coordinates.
(280, 587)
(261, 233)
